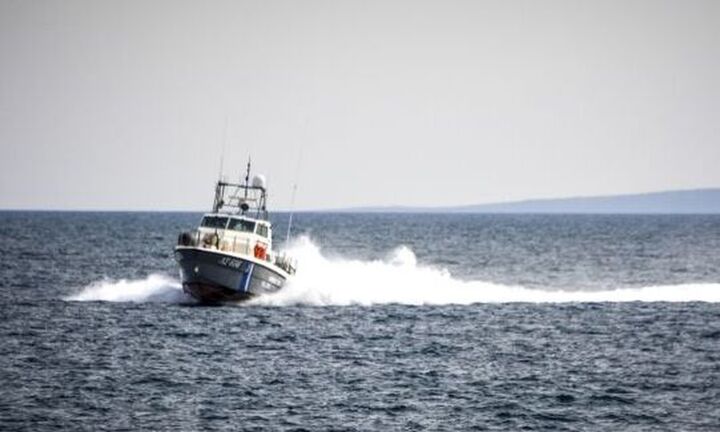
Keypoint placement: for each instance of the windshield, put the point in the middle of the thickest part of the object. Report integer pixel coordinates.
(242, 225)
(214, 222)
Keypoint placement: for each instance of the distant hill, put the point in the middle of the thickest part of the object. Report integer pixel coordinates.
(698, 201)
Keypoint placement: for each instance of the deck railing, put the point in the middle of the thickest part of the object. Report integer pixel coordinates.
(239, 246)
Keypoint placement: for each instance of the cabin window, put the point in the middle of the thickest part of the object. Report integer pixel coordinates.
(242, 225)
(214, 222)
(262, 230)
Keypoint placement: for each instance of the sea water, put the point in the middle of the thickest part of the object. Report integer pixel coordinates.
(393, 322)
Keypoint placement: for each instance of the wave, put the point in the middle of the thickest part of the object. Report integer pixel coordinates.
(397, 279)
(156, 288)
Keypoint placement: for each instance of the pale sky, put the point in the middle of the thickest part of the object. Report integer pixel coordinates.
(122, 104)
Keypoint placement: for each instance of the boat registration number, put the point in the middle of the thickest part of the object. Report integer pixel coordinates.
(231, 262)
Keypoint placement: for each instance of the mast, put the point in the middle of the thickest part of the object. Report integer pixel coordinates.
(253, 199)
(247, 178)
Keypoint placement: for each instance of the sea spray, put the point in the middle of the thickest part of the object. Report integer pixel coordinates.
(157, 288)
(398, 279)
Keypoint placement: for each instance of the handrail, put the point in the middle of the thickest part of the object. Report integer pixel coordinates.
(241, 246)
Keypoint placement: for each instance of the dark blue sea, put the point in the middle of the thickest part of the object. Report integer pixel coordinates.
(393, 322)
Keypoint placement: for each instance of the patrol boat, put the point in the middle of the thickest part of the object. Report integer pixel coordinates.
(229, 257)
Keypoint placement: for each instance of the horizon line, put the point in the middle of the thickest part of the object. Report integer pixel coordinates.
(378, 208)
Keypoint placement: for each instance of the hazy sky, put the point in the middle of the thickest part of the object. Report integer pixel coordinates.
(122, 104)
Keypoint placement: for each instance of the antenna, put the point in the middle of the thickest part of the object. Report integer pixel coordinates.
(292, 212)
(292, 199)
(222, 153)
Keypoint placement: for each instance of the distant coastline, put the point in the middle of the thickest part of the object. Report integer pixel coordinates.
(684, 202)
(695, 201)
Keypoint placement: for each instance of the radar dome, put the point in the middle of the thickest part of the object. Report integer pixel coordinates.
(259, 181)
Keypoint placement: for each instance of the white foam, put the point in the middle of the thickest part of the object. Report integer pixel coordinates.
(154, 288)
(398, 278)
(322, 280)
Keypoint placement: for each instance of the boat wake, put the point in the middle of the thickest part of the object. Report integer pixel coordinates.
(398, 279)
(321, 280)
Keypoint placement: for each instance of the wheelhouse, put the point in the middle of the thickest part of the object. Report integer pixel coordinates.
(232, 225)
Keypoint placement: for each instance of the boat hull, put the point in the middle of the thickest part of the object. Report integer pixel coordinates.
(211, 276)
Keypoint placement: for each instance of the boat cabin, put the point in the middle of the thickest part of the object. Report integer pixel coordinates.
(239, 221)
(236, 233)
(238, 224)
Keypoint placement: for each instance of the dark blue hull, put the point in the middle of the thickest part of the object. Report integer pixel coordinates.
(211, 276)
